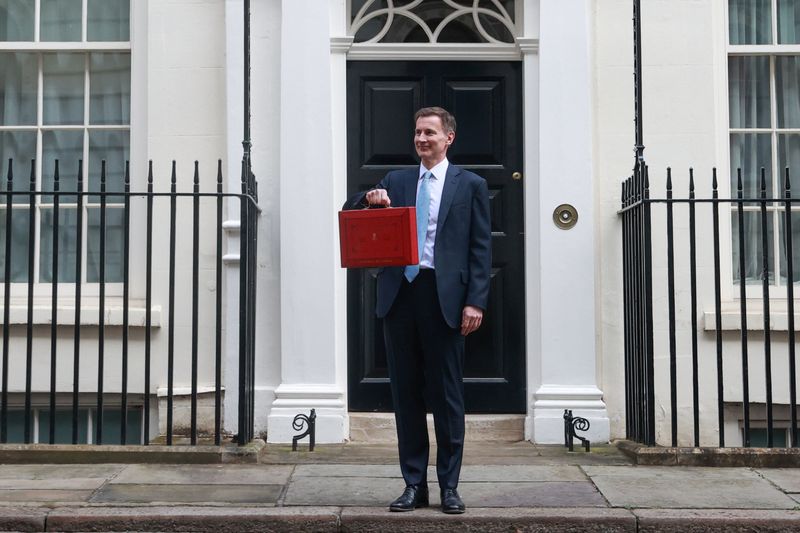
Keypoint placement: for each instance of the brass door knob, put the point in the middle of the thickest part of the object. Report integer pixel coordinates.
(517, 175)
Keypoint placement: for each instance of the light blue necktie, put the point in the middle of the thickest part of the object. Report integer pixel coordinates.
(423, 209)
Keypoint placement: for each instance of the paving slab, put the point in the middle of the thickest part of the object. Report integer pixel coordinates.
(53, 484)
(44, 495)
(523, 473)
(539, 494)
(354, 491)
(376, 471)
(52, 471)
(359, 519)
(716, 520)
(22, 519)
(195, 519)
(788, 479)
(690, 488)
(240, 494)
(204, 475)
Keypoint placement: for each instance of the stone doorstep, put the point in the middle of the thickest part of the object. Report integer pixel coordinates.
(134, 454)
(375, 428)
(724, 457)
(351, 519)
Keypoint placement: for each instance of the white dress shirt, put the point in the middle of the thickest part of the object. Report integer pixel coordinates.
(439, 173)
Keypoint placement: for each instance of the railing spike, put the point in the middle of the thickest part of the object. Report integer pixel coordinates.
(174, 176)
(763, 180)
(80, 175)
(150, 173)
(714, 178)
(127, 176)
(739, 179)
(787, 181)
(32, 177)
(10, 169)
(103, 171)
(669, 179)
(196, 173)
(56, 174)
(691, 181)
(219, 170)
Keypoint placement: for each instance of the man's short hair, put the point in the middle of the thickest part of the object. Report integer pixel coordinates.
(448, 120)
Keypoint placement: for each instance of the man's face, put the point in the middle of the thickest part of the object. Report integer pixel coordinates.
(430, 139)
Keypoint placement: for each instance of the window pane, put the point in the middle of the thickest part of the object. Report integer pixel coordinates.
(16, 426)
(787, 90)
(109, 20)
(110, 93)
(18, 82)
(63, 426)
(61, 20)
(20, 146)
(750, 152)
(19, 244)
(789, 156)
(758, 438)
(113, 147)
(113, 259)
(63, 88)
(111, 423)
(67, 147)
(16, 20)
(748, 91)
(752, 245)
(795, 247)
(67, 245)
(788, 22)
(750, 21)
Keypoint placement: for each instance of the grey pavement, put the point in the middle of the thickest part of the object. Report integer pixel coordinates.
(507, 487)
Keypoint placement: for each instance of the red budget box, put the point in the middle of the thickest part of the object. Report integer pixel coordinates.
(378, 237)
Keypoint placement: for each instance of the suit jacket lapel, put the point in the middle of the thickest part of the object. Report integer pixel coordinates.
(448, 193)
(410, 187)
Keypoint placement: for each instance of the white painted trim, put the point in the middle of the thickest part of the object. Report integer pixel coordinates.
(92, 46)
(341, 44)
(42, 313)
(434, 51)
(528, 45)
(762, 49)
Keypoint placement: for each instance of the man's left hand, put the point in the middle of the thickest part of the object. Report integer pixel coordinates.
(471, 318)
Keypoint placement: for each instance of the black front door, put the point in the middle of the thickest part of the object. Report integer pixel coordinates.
(486, 99)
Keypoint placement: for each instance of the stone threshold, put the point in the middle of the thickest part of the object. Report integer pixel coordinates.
(369, 519)
(721, 457)
(132, 454)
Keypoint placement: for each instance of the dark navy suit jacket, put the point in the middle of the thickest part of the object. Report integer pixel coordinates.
(462, 252)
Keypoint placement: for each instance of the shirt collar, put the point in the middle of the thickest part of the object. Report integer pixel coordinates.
(439, 171)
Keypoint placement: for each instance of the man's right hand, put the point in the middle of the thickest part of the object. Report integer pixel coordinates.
(378, 197)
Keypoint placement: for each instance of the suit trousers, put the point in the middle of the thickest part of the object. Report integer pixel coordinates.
(426, 363)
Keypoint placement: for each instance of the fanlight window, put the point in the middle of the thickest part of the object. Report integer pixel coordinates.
(432, 21)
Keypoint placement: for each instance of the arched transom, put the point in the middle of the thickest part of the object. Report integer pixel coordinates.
(432, 21)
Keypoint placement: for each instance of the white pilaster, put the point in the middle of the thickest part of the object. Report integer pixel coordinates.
(312, 355)
(569, 359)
(234, 86)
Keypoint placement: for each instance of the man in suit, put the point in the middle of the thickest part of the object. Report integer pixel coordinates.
(428, 309)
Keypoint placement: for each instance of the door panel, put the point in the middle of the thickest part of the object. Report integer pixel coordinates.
(485, 98)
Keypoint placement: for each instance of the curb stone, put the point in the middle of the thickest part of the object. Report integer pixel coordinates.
(717, 520)
(22, 519)
(519, 520)
(195, 519)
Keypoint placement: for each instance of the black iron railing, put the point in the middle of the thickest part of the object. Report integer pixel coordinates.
(78, 199)
(639, 240)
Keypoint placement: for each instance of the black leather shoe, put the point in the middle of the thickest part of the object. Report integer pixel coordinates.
(451, 502)
(414, 496)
